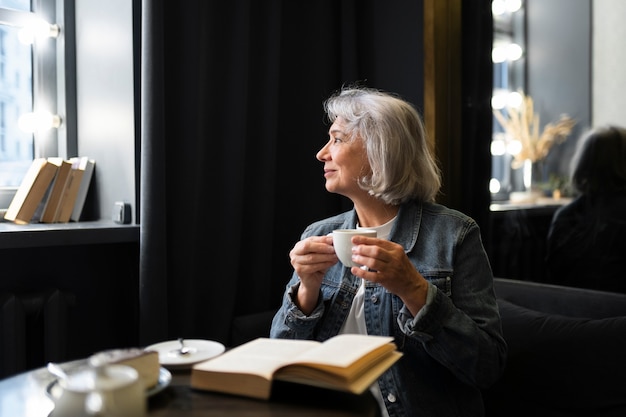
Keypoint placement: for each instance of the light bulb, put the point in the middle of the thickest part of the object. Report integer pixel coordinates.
(513, 5)
(513, 52)
(514, 100)
(37, 29)
(498, 54)
(38, 121)
(506, 52)
(498, 7)
(499, 99)
(494, 186)
(514, 147)
(498, 147)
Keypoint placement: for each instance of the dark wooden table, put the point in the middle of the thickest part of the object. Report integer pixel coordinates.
(25, 395)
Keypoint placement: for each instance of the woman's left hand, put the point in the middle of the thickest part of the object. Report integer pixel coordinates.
(388, 265)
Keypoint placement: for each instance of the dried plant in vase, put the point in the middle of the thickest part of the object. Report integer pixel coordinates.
(522, 124)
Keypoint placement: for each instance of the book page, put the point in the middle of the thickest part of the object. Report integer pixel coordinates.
(355, 383)
(261, 356)
(343, 350)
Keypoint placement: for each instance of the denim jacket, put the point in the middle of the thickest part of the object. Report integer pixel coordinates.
(453, 348)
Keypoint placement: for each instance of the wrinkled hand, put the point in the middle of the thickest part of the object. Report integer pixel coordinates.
(310, 259)
(389, 266)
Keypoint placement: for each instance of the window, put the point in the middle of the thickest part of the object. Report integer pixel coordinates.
(28, 86)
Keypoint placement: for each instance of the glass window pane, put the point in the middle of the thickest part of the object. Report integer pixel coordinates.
(23, 5)
(16, 146)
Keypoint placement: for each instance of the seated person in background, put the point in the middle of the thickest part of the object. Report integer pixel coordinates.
(425, 280)
(586, 244)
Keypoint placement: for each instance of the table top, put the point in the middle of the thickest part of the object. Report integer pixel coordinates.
(25, 395)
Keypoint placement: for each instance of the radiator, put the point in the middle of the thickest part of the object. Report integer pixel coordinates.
(13, 332)
(34, 329)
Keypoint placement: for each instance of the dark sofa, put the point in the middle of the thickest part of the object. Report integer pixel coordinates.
(567, 352)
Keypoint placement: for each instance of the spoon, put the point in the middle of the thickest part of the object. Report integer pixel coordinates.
(56, 370)
(184, 350)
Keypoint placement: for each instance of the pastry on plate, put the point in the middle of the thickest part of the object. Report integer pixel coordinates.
(145, 362)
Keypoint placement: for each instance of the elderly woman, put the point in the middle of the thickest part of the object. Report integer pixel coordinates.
(425, 280)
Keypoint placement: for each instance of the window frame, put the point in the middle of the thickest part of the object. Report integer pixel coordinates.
(53, 75)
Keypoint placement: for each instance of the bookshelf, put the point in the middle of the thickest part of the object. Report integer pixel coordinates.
(62, 234)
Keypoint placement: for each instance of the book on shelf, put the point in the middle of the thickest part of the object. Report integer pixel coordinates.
(42, 204)
(347, 362)
(59, 184)
(68, 201)
(87, 166)
(31, 191)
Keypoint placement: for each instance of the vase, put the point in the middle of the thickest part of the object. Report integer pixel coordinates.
(530, 192)
(527, 175)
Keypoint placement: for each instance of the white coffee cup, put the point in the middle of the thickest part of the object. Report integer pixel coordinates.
(342, 241)
(108, 391)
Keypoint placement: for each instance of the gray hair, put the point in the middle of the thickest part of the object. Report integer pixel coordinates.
(394, 136)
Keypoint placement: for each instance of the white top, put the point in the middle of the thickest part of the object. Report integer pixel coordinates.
(355, 322)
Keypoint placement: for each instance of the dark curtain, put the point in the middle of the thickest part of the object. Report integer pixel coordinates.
(477, 117)
(231, 120)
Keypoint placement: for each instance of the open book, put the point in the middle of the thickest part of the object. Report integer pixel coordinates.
(347, 362)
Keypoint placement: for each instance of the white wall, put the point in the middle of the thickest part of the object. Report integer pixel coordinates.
(609, 62)
(104, 89)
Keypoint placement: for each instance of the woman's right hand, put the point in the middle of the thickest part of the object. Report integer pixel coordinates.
(311, 258)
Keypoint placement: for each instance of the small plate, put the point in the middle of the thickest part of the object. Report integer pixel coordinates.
(165, 378)
(53, 390)
(199, 350)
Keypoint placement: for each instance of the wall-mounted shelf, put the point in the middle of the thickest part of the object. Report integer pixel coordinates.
(64, 234)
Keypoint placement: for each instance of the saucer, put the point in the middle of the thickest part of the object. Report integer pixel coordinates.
(53, 390)
(199, 350)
